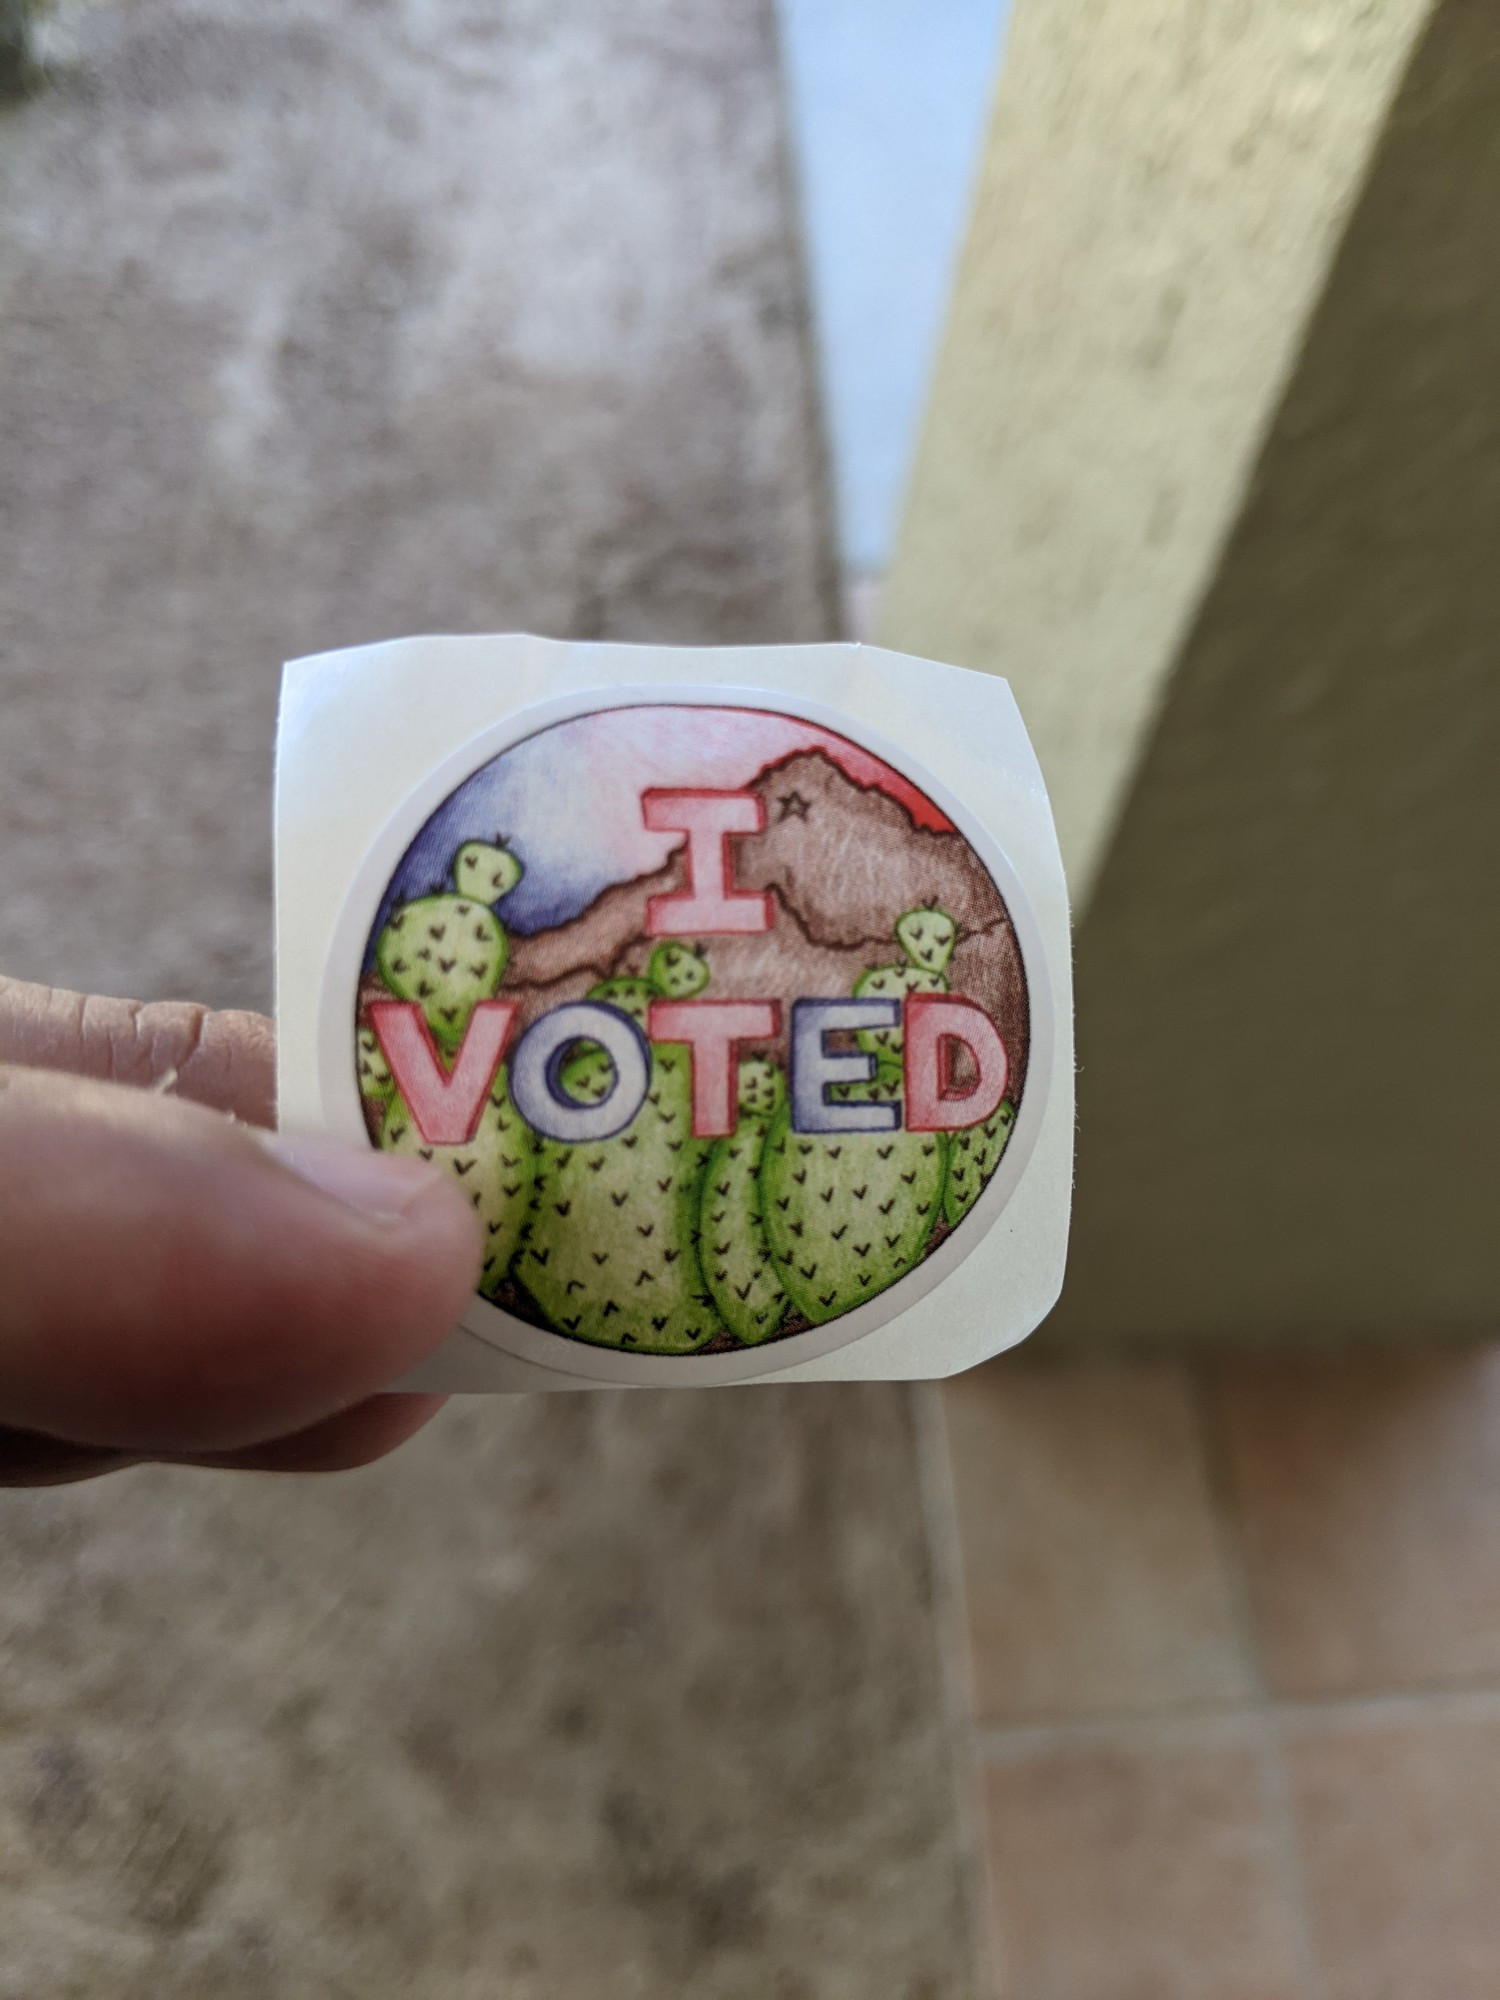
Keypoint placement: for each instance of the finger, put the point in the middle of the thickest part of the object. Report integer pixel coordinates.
(226, 1060)
(338, 1444)
(27, 1458)
(171, 1284)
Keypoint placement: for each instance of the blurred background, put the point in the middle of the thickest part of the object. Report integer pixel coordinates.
(1145, 354)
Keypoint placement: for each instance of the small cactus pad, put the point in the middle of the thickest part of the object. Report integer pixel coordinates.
(375, 1080)
(484, 872)
(927, 937)
(847, 1214)
(892, 982)
(762, 1087)
(736, 1256)
(676, 971)
(494, 1170)
(610, 1251)
(447, 953)
(588, 1075)
(631, 996)
(972, 1157)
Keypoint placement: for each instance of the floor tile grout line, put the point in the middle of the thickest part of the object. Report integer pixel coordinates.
(1277, 1802)
(939, 1500)
(1166, 1727)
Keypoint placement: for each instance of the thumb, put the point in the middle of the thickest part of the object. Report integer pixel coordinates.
(171, 1283)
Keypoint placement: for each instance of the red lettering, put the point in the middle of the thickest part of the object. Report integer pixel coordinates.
(712, 1029)
(935, 1026)
(445, 1104)
(710, 906)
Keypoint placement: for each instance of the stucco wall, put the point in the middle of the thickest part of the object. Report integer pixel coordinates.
(1163, 186)
(1241, 572)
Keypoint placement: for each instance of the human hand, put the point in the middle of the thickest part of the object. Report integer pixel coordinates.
(177, 1284)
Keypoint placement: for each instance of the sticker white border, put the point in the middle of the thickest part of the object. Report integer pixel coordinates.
(583, 1360)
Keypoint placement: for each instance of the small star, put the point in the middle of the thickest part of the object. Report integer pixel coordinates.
(793, 806)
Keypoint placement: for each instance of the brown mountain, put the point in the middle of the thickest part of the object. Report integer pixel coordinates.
(843, 861)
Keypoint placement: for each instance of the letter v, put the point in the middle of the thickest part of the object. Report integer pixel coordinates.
(445, 1104)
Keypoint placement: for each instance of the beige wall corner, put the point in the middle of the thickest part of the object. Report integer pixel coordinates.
(1164, 185)
(1289, 968)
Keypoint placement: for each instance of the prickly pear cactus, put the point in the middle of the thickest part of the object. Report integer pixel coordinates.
(892, 982)
(631, 996)
(610, 1250)
(448, 952)
(735, 1253)
(973, 1156)
(494, 1170)
(375, 1080)
(676, 971)
(485, 873)
(927, 937)
(848, 1213)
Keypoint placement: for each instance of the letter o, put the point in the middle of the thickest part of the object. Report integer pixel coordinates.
(536, 1072)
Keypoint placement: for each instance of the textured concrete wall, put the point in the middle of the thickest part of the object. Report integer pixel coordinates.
(1162, 189)
(1289, 980)
(1289, 969)
(317, 322)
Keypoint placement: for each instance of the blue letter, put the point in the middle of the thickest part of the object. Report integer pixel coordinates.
(814, 1069)
(536, 1072)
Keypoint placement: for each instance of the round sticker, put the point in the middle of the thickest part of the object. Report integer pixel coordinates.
(716, 1016)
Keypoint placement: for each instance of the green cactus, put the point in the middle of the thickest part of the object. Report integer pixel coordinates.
(631, 996)
(892, 982)
(927, 937)
(848, 1213)
(673, 972)
(973, 1156)
(495, 1169)
(610, 1249)
(735, 1254)
(484, 872)
(676, 971)
(375, 1080)
(448, 952)
(761, 1087)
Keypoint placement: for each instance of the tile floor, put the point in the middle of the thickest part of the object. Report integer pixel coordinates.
(1235, 1662)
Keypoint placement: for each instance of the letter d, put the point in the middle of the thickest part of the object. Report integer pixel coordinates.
(937, 1024)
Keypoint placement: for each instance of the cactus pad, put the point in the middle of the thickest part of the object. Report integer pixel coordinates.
(631, 996)
(676, 971)
(973, 1156)
(735, 1254)
(927, 937)
(494, 1169)
(892, 982)
(447, 953)
(374, 1072)
(485, 872)
(610, 1251)
(848, 1213)
(762, 1087)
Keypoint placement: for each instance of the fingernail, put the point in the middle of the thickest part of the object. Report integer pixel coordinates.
(375, 1182)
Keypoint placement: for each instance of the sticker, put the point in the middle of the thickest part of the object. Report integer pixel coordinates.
(719, 1017)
